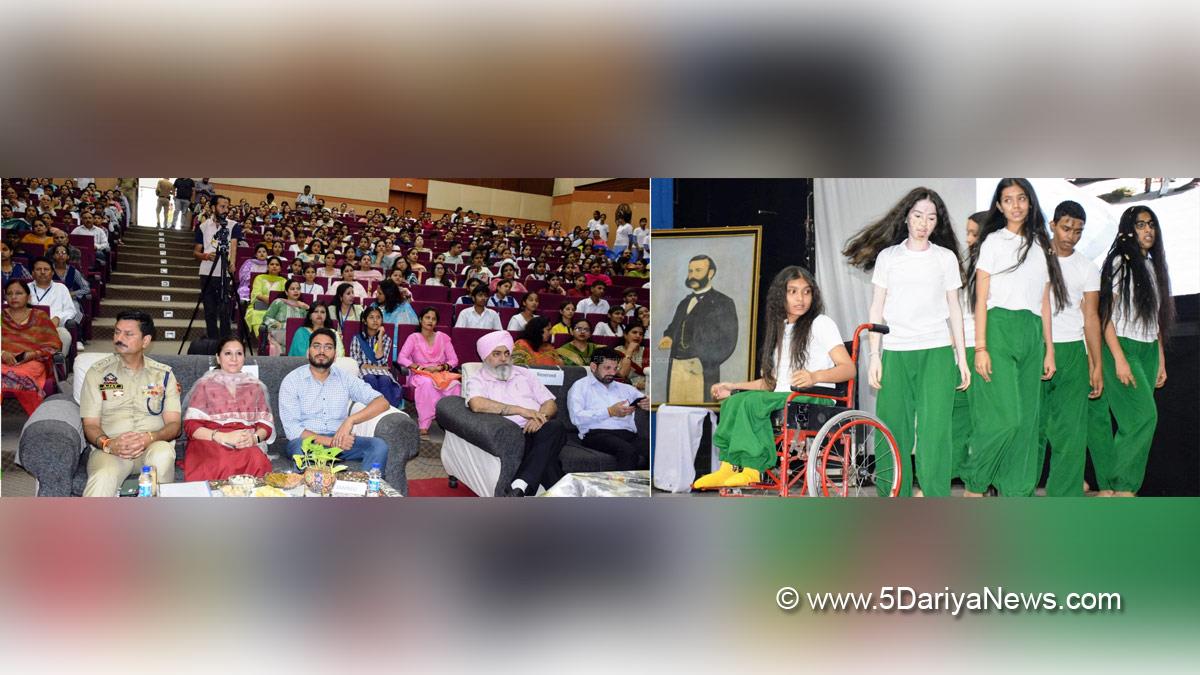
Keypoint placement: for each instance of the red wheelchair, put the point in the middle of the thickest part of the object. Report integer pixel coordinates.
(830, 450)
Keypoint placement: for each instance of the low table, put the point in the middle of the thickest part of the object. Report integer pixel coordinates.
(213, 487)
(602, 484)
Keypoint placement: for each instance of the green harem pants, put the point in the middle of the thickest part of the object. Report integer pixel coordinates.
(1004, 449)
(1063, 419)
(916, 403)
(1120, 461)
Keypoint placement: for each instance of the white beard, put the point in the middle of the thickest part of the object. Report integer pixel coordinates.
(502, 373)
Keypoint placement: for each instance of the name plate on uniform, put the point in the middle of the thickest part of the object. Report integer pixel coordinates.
(550, 378)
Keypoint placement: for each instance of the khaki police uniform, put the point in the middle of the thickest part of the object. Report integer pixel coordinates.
(128, 400)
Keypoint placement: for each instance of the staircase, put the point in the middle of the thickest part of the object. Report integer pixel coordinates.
(149, 259)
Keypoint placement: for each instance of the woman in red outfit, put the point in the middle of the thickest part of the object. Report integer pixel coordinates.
(227, 420)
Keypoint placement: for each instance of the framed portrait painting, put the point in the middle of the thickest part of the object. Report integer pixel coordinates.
(704, 309)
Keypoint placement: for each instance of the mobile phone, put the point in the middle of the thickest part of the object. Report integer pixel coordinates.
(637, 400)
(19, 358)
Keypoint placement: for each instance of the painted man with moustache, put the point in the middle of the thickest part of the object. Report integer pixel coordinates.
(701, 336)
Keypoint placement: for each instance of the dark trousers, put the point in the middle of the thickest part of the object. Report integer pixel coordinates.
(540, 465)
(631, 450)
(211, 295)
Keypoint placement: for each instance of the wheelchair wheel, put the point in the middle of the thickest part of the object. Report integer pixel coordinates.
(842, 458)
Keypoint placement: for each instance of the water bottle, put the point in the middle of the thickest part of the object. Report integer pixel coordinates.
(374, 480)
(145, 483)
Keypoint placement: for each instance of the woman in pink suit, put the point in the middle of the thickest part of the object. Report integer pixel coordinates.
(429, 357)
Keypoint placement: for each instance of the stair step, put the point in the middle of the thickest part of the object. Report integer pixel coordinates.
(156, 307)
(156, 281)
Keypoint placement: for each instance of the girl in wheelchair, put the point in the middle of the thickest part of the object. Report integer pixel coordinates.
(801, 347)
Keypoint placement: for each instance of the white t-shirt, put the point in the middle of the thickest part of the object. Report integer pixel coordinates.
(602, 330)
(469, 318)
(593, 225)
(1015, 289)
(1128, 326)
(642, 235)
(916, 282)
(623, 233)
(823, 337)
(586, 306)
(517, 322)
(1080, 276)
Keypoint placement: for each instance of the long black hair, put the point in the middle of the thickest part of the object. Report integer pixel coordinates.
(864, 247)
(1034, 232)
(1131, 281)
(391, 294)
(776, 316)
(533, 331)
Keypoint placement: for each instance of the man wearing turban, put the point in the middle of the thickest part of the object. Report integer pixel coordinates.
(501, 388)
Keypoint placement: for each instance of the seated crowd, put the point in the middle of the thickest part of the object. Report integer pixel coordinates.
(57, 252)
(409, 299)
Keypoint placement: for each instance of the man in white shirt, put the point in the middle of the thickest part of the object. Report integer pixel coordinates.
(595, 304)
(305, 201)
(603, 410)
(46, 292)
(454, 255)
(642, 232)
(479, 315)
(88, 227)
(212, 236)
(593, 224)
(1078, 376)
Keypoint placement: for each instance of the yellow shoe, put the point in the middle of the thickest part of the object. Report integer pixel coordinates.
(715, 479)
(743, 477)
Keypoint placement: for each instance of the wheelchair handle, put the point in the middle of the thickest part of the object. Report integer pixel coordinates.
(880, 328)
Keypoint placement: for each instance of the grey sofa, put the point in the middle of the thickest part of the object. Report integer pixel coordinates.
(51, 439)
(502, 439)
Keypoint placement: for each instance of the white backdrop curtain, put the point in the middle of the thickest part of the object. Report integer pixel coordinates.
(842, 207)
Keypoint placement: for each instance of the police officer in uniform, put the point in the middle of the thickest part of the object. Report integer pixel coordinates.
(130, 409)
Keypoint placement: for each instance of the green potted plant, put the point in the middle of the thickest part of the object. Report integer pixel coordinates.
(318, 460)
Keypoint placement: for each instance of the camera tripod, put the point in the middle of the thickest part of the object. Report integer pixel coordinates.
(221, 263)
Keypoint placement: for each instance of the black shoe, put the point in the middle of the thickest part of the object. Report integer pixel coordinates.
(513, 492)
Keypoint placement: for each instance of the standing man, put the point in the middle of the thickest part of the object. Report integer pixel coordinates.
(130, 410)
(314, 400)
(184, 187)
(204, 188)
(603, 410)
(305, 201)
(214, 235)
(501, 388)
(701, 335)
(163, 190)
(1078, 377)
